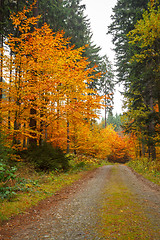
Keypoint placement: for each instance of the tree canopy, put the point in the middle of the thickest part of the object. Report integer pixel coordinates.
(137, 51)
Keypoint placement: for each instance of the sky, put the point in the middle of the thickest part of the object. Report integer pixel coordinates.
(99, 12)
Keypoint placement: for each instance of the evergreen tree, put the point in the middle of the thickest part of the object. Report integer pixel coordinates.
(53, 13)
(146, 37)
(75, 23)
(137, 75)
(115, 121)
(105, 84)
(125, 15)
(77, 26)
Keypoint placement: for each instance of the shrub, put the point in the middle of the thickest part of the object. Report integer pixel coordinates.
(5, 151)
(46, 157)
(7, 174)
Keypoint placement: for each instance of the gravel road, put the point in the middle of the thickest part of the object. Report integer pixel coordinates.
(75, 213)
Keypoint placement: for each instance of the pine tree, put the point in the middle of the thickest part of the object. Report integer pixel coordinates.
(137, 75)
(106, 84)
(145, 36)
(125, 15)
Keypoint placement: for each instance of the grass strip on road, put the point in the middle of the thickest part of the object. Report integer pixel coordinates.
(122, 216)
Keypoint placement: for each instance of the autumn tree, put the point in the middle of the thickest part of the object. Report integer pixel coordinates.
(65, 15)
(51, 77)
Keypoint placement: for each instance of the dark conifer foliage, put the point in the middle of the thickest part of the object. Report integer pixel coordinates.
(54, 13)
(139, 77)
(125, 15)
(115, 121)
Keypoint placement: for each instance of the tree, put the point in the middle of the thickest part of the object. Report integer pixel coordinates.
(51, 78)
(140, 88)
(115, 121)
(6, 27)
(146, 38)
(75, 26)
(69, 16)
(65, 15)
(105, 84)
(53, 13)
(125, 15)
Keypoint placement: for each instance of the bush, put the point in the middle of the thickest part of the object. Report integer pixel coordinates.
(144, 165)
(79, 166)
(46, 157)
(5, 151)
(7, 174)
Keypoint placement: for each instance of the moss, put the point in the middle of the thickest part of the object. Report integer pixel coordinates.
(121, 216)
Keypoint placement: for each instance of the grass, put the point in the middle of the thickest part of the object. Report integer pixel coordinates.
(47, 187)
(37, 186)
(121, 216)
(149, 169)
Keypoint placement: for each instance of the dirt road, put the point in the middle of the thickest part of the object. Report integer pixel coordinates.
(111, 203)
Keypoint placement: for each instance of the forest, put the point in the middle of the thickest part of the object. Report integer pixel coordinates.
(54, 84)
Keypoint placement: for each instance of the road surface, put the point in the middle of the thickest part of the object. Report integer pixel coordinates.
(113, 202)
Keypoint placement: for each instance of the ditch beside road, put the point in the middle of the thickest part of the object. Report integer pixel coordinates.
(111, 202)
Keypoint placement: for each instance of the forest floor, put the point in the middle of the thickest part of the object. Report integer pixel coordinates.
(111, 202)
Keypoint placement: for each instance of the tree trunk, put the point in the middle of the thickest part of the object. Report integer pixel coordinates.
(17, 125)
(151, 130)
(9, 98)
(1, 73)
(1, 51)
(105, 109)
(105, 114)
(33, 122)
(41, 129)
(36, 11)
(68, 139)
(33, 126)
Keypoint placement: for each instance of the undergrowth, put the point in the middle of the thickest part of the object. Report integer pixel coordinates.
(46, 157)
(149, 169)
(26, 187)
(7, 176)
